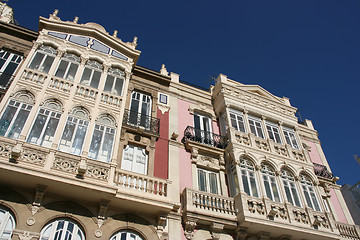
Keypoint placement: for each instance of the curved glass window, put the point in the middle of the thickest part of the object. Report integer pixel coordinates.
(114, 81)
(7, 224)
(271, 187)
(43, 59)
(15, 115)
(68, 66)
(248, 177)
(62, 229)
(103, 139)
(290, 188)
(92, 74)
(43, 131)
(74, 133)
(310, 196)
(126, 235)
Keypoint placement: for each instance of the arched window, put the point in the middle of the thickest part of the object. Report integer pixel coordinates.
(126, 235)
(92, 73)
(15, 115)
(114, 81)
(75, 129)
(309, 193)
(62, 229)
(103, 139)
(248, 177)
(68, 66)
(290, 188)
(43, 59)
(7, 224)
(271, 187)
(45, 125)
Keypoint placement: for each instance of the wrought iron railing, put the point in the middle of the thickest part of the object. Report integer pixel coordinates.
(321, 171)
(204, 137)
(141, 121)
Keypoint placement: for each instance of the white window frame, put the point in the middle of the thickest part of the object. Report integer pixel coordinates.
(9, 57)
(134, 161)
(268, 175)
(309, 193)
(93, 66)
(20, 108)
(7, 224)
(253, 122)
(49, 232)
(48, 51)
(290, 137)
(71, 60)
(144, 100)
(289, 183)
(238, 120)
(207, 183)
(50, 114)
(247, 171)
(118, 75)
(130, 235)
(272, 132)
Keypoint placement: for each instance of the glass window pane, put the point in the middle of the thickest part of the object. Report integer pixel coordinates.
(49, 133)
(79, 139)
(37, 129)
(60, 72)
(86, 76)
(6, 119)
(47, 64)
(118, 86)
(72, 71)
(245, 183)
(35, 64)
(95, 79)
(95, 144)
(107, 147)
(202, 180)
(109, 83)
(213, 183)
(18, 123)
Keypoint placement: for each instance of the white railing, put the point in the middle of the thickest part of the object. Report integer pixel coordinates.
(34, 76)
(141, 182)
(86, 92)
(348, 231)
(111, 99)
(212, 203)
(60, 84)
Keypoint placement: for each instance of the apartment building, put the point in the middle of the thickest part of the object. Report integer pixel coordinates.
(93, 146)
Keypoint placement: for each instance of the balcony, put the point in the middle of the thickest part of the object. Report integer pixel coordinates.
(348, 231)
(321, 171)
(141, 122)
(203, 137)
(207, 207)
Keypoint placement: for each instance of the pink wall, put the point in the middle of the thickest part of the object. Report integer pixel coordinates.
(216, 127)
(336, 204)
(162, 147)
(314, 153)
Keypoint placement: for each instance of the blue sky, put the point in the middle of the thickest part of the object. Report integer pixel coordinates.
(306, 50)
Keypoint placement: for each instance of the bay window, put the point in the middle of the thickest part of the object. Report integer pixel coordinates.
(103, 139)
(237, 121)
(290, 188)
(208, 181)
(43, 59)
(255, 126)
(74, 133)
(114, 81)
(290, 137)
(309, 193)
(92, 74)
(45, 125)
(68, 66)
(248, 178)
(271, 187)
(14, 117)
(135, 159)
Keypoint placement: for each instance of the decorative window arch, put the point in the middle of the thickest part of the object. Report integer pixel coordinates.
(43, 58)
(290, 188)
(68, 66)
(247, 171)
(271, 187)
(62, 229)
(114, 81)
(103, 138)
(74, 133)
(7, 224)
(15, 114)
(309, 192)
(92, 73)
(126, 235)
(45, 125)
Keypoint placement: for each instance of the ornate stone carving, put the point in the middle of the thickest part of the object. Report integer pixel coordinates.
(300, 216)
(256, 206)
(281, 150)
(98, 172)
(262, 144)
(298, 155)
(5, 150)
(244, 139)
(278, 211)
(66, 165)
(189, 229)
(34, 157)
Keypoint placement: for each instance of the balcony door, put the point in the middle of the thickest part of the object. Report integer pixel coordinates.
(140, 110)
(203, 128)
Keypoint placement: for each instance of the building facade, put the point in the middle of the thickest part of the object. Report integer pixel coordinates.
(93, 146)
